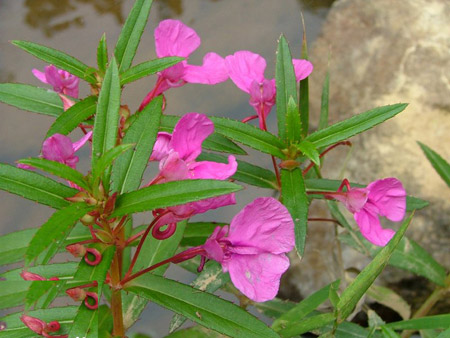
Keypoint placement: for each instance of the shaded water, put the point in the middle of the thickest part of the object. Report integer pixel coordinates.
(75, 26)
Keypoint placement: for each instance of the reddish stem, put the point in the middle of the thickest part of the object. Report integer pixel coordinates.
(314, 219)
(249, 118)
(151, 95)
(346, 143)
(134, 237)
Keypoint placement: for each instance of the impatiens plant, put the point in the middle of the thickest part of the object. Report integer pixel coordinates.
(119, 266)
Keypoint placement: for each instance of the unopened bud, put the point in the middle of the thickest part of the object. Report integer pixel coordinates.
(34, 324)
(31, 276)
(110, 203)
(78, 197)
(53, 326)
(289, 164)
(88, 219)
(124, 111)
(77, 250)
(76, 294)
(104, 236)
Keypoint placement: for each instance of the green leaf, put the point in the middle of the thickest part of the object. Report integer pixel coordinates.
(304, 89)
(107, 117)
(249, 135)
(194, 332)
(129, 168)
(39, 289)
(444, 334)
(286, 90)
(323, 121)
(214, 142)
(16, 329)
(57, 58)
(72, 117)
(429, 322)
(60, 270)
(294, 198)
(201, 307)
(345, 330)
(171, 194)
(30, 98)
(56, 229)
(35, 187)
(85, 323)
(210, 280)
(305, 307)
(102, 54)
(306, 325)
(196, 233)
(105, 319)
(57, 169)
(106, 160)
(310, 151)
(293, 124)
(356, 124)
(439, 164)
(389, 333)
(274, 308)
(246, 172)
(131, 33)
(153, 251)
(148, 68)
(12, 293)
(364, 280)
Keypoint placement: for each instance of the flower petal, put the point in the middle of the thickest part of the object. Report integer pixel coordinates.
(188, 135)
(245, 67)
(78, 144)
(174, 38)
(213, 70)
(173, 168)
(39, 75)
(202, 206)
(265, 224)
(389, 196)
(58, 148)
(302, 68)
(161, 147)
(213, 170)
(370, 227)
(257, 276)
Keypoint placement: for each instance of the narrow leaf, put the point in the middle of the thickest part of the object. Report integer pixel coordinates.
(85, 323)
(293, 124)
(307, 324)
(102, 54)
(57, 58)
(57, 169)
(305, 307)
(304, 89)
(389, 298)
(106, 160)
(55, 229)
(429, 322)
(324, 105)
(356, 124)
(72, 117)
(130, 35)
(197, 233)
(35, 187)
(148, 68)
(129, 168)
(274, 308)
(30, 98)
(60, 270)
(364, 280)
(12, 293)
(249, 135)
(286, 89)
(201, 307)
(246, 172)
(294, 198)
(310, 151)
(107, 117)
(439, 164)
(170, 194)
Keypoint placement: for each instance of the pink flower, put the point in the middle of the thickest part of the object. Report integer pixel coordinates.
(62, 82)
(60, 148)
(385, 197)
(173, 38)
(40, 327)
(246, 70)
(254, 250)
(177, 153)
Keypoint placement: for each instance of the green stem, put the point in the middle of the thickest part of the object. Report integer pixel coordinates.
(116, 296)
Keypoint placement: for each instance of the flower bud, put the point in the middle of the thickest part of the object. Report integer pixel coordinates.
(31, 276)
(289, 164)
(34, 324)
(77, 250)
(53, 326)
(76, 294)
(88, 219)
(110, 204)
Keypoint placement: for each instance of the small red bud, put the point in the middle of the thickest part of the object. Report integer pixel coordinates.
(110, 203)
(53, 278)
(77, 250)
(34, 324)
(76, 294)
(97, 256)
(289, 164)
(30, 276)
(53, 326)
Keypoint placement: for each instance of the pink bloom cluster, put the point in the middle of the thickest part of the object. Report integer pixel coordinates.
(252, 249)
(385, 197)
(176, 154)
(62, 82)
(173, 38)
(40, 327)
(246, 70)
